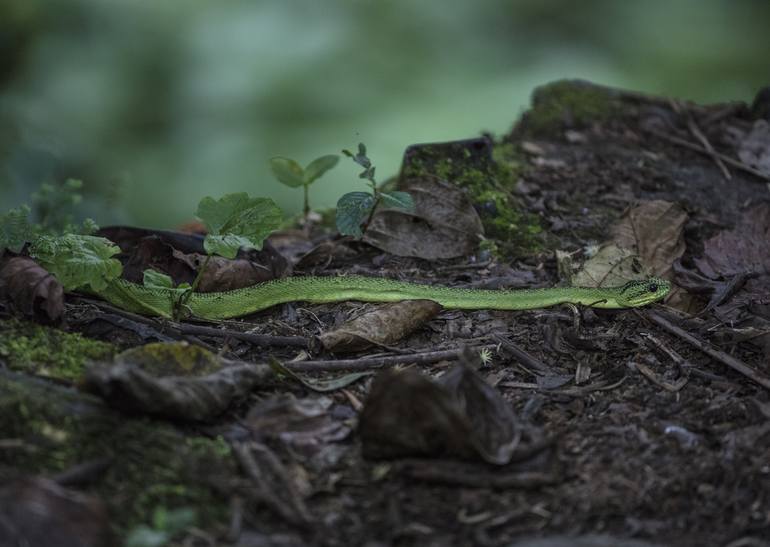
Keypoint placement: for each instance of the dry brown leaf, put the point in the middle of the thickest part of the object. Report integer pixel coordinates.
(645, 241)
(407, 414)
(383, 326)
(444, 223)
(31, 289)
(744, 249)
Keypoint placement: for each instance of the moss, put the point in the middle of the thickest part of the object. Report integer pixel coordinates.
(149, 463)
(489, 182)
(172, 358)
(46, 351)
(570, 103)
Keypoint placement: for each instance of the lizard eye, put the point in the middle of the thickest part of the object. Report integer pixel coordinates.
(652, 287)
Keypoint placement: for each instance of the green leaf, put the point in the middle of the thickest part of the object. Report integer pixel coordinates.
(236, 220)
(315, 384)
(78, 261)
(15, 229)
(397, 200)
(319, 166)
(352, 209)
(289, 171)
(154, 279)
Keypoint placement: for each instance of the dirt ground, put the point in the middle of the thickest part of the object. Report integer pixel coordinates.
(649, 426)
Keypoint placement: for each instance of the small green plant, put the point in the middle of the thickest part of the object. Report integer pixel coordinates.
(293, 175)
(53, 205)
(357, 208)
(232, 221)
(165, 526)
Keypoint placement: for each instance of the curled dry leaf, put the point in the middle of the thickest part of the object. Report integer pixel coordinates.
(34, 511)
(754, 147)
(31, 289)
(444, 223)
(645, 241)
(306, 426)
(744, 249)
(407, 414)
(173, 380)
(382, 326)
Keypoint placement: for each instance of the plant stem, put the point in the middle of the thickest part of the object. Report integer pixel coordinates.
(307, 201)
(202, 269)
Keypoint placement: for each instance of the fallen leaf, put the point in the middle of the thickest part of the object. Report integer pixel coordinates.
(645, 241)
(407, 414)
(306, 425)
(173, 380)
(444, 223)
(754, 147)
(31, 289)
(744, 249)
(382, 326)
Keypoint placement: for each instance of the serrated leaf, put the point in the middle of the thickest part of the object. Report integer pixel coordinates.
(398, 200)
(15, 229)
(288, 171)
(78, 261)
(352, 209)
(153, 279)
(319, 166)
(236, 220)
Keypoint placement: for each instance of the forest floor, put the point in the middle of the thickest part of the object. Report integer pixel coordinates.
(645, 426)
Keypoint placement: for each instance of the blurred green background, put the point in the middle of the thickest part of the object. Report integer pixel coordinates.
(156, 104)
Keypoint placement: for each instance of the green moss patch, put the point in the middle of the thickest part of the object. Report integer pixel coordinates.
(149, 464)
(29, 347)
(567, 103)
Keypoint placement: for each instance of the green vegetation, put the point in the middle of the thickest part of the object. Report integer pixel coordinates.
(291, 173)
(28, 347)
(357, 208)
(567, 103)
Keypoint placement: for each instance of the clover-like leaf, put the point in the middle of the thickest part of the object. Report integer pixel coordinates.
(398, 200)
(78, 261)
(289, 171)
(352, 209)
(154, 279)
(15, 229)
(235, 221)
(319, 166)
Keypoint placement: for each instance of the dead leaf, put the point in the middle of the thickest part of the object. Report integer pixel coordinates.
(744, 249)
(754, 147)
(645, 241)
(382, 326)
(304, 425)
(407, 414)
(138, 381)
(444, 223)
(36, 511)
(31, 289)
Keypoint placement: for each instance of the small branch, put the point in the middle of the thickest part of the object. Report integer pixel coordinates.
(710, 350)
(727, 159)
(698, 134)
(522, 356)
(369, 363)
(256, 339)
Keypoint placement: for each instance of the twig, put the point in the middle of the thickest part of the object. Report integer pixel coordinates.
(468, 477)
(369, 363)
(710, 350)
(178, 330)
(648, 373)
(698, 134)
(256, 339)
(522, 356)
(293, 512)
(727, 159)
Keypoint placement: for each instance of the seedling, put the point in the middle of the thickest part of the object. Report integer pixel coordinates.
(291, 173)
(357, 208)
